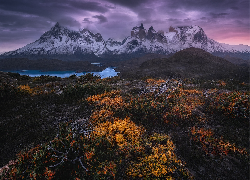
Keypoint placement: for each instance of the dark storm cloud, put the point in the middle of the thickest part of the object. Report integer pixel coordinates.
(110, 7)
(13, 36)
(128, 3)
(86, 20)
(69, 21)
(90, 6)
(101, 18)
(218, 15)
(52, 10)
(202, 4)
(25, 18)
(18, 14)
(146, 13)
(16, 21)
(234, 8)
(203, 12)
(240, 8)
(117, 17)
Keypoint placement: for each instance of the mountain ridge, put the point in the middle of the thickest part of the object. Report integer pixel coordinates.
(62, 41)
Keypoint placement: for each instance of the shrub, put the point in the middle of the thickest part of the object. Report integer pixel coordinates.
(88, 78)
(212, 145)
(77, 92)
(234, 105)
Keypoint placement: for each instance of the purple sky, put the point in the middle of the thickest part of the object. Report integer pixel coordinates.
(24, 21)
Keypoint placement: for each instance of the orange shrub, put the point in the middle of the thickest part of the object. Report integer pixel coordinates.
(212, 145)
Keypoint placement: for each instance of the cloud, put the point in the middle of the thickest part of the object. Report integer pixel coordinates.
(11, 40)
(110, 6)
(234, 8)
(146, 13)
(128, 3)
(86, 20)
(52, 10)
(25, 19)
(21, 22)
(69, 22)
(218, 15)
(101, 18)
(89, 6)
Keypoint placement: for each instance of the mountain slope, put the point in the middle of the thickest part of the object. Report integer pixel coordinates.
(188, 63)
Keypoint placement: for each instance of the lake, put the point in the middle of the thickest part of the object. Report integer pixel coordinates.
(108, 72)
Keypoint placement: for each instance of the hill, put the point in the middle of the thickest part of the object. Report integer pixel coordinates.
(187, 63)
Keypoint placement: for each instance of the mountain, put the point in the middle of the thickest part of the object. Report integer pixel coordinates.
(187, 63)
(174, 40)
(62, 43)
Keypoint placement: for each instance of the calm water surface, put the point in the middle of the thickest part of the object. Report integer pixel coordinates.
(108, 72)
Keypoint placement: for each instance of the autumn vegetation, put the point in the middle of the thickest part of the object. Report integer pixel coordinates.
(129, 129)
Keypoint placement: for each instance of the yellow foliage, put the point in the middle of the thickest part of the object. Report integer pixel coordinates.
(33, 91)
(124, 134)
(161, 163)
(152, 82)
(120, 132)
(96, 98)
(25, 88)
(101, 115)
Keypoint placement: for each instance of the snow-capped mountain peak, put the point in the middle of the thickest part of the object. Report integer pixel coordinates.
(60, 40)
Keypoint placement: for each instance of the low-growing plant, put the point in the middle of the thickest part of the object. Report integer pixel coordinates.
(212, 145)
(46, 78)
(181, 105)
(132, 134)
(234, 105)
(88, 78)
(77, 92)
(108, 151)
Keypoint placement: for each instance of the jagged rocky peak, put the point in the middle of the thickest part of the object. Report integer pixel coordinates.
(84, 30)
(57, 25)
(57, 28)
(98, 37)
(139, 32)
(191, 34)
(200, 35)
(56, 31)
(112, 42)
(171, 29)
(188, 34)
(151, 33)
(138, 27)
(141, 27)
(151, 29)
